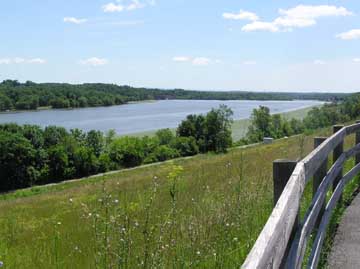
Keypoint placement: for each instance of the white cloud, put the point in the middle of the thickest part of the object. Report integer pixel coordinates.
(36, 61)
(313, 12)
(349, 35)
(242, 15)
(19, 60)
(196, 61)
(260, 26)
(118, 6)
(94, 61)
(356, 60)
(297, 17)
(135, 5)
(250, 62)
(74, 20)
(5, 61)
(111, 7)
(201, 61)
(319, 62)
(181, 59)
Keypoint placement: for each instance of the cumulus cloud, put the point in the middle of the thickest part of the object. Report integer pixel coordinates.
(349, 35)
(19, 60)
(356, 60)
(118, 6)
(242, 15)
(74, 20)
(297, 17)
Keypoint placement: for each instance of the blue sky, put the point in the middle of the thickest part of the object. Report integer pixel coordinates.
(272, 45)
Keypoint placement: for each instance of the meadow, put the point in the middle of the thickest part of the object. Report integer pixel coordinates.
(199, 212)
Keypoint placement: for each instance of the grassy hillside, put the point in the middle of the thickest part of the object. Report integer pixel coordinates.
(240, 127)
(200, 212)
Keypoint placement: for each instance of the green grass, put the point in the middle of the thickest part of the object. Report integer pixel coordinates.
(200, 212)
(240, 127)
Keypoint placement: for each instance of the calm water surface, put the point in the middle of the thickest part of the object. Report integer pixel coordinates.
(140, 117)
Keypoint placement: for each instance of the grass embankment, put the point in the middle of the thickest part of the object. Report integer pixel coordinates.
(240, 127)
(206, 215)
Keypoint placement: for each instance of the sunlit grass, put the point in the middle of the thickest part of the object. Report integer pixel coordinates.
(201, 212)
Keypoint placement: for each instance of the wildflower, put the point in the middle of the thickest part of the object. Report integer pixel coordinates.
(70, 200)
(198, 252)
(116, 201)
(90, 214)
(1, 264)
(155, 177)
(235, 239)
(59, 223)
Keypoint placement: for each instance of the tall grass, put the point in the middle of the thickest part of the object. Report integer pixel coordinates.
(202, 212)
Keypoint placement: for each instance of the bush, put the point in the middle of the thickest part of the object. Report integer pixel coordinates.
(162, 153)
(186, 146)
(127, 151)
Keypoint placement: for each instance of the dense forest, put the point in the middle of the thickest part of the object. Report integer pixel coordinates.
(29, 95)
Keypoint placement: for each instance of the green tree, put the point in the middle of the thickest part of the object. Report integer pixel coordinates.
(165, 136)
(58, 163)
(95, 141)
(218, 129)
(17, 162)
(260, 124)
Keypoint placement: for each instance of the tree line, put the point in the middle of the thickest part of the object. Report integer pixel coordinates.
(30, 96)
(31, 155)
(263, 124)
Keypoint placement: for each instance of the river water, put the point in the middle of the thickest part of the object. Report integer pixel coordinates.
(142, 117)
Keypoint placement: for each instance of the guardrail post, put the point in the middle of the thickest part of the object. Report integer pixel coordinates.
(337, 153)
(357, 141)
(319, 176)
(282, 171)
